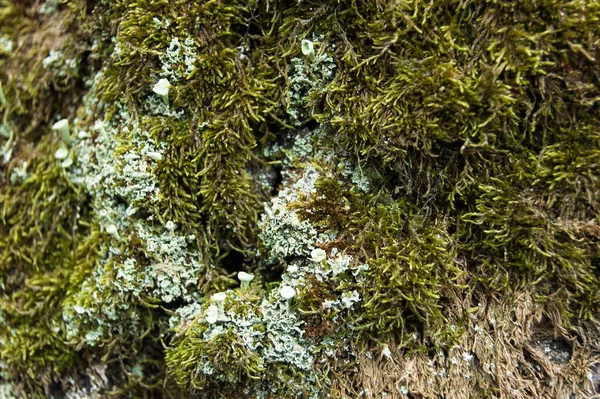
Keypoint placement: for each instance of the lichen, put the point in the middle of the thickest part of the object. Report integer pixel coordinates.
(412, 187)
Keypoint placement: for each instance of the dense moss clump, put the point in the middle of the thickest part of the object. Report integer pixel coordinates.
(273, 199)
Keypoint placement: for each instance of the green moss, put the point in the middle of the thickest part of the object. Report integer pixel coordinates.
(198, 363)
(319, 321)
(42, 219)
(40, 74)
(410, 257)
(518, 240)
(471, 127)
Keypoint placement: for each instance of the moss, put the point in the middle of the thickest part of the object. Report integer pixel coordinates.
(36, 89)
(42, 219)
(223, 357)
(521, 242)
(206, 188)
(310, 305)
(409, 257)
(457, 148)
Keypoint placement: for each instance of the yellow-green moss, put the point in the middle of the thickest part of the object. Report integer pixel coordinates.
(473, 123)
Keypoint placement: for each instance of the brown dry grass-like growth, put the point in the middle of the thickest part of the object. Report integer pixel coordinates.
(511, 348)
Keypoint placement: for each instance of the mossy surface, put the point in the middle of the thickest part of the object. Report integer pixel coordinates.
(413, 186)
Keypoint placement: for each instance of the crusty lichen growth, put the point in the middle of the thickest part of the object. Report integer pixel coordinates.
(413, 186)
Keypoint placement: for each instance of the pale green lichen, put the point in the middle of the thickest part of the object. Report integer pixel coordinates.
(308, 77)
(115, 162)
(63, 66)
(412, 185)
(19, 173)
(6, 391)
(6, 44)
(49, 7)
(284, 234)
(177, 57)
(8, 135)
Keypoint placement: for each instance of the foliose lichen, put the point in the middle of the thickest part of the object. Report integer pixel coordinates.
(406, 191)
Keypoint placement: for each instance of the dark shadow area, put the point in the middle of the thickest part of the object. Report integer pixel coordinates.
(233, 262)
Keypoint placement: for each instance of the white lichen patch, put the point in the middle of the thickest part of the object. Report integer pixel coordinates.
(61, 65)
(161, 88)
(285, 335)
(7, 391)
(283, 234)
(307, 75)
(185, 315)
(19, 174)
(49, 7)
(6, 45)
(8, 135)
(177, 62)
(171, 272)
(115, 165)
(361, 178)
(349, 299)
(339, 263)
(318, 255)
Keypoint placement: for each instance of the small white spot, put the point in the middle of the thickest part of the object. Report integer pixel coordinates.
(61, 153)
(212, 314)
(467, 356)
(62, 126)
(219, 297)
(386, 352)
(112, 230)
(243, 276)
(157, 156)
(318, 255)
(308, 48)
(67, 162)
(287, 292)
(162, 87)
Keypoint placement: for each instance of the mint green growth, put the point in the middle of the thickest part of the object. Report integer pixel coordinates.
(271, 199)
